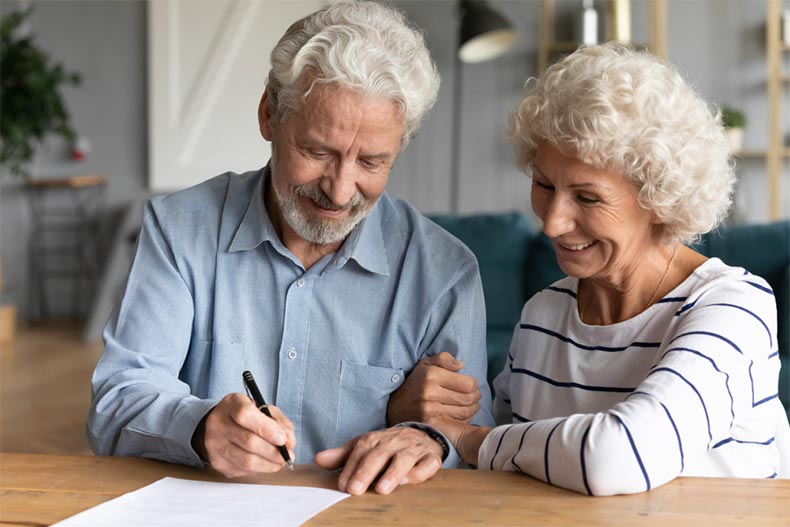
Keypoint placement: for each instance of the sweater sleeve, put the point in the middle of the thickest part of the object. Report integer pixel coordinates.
(713, 369)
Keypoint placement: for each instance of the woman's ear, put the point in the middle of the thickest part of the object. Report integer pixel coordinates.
(266, 116)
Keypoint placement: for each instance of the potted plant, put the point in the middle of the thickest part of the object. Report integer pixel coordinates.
(734, 122)
(32, 106)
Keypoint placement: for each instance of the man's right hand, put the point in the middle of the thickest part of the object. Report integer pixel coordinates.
(435, 390)
(237, 439)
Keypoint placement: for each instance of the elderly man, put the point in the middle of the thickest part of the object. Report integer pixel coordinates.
(307, 274)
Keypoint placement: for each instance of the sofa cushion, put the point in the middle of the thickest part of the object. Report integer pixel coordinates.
(542, 267)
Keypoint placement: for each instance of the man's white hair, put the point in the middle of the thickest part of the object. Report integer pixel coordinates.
(364, 46)
(616, 108)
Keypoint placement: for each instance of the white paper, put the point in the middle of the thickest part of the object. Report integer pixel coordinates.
(173, 502)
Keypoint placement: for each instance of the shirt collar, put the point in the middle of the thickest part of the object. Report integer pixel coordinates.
(365, 245)
(256, 226)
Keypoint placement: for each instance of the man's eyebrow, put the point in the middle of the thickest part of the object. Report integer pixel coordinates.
(384, 156)
(307, 141)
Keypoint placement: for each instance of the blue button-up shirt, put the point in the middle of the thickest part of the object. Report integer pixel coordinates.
(213, 292)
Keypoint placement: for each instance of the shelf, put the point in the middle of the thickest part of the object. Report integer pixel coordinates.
(749, 153)
(757, 153)
(550, 49)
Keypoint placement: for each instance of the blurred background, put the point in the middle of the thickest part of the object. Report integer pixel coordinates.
(106, 102)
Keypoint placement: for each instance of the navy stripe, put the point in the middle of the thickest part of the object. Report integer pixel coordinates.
(616, 389)
(581, 457)
(590, 348)
(708, 333)
(770, 338)
(562, 290)
(733, 440)
(685, 308)
(701, 400)
(670, 299)
(763, 401)
(636, 452)
(498, 446)
(520, 444)
(772, 476)
(672, 421)
(774, 354)
(761, 288)
(726, 377)
(546, 452)
(518, 417)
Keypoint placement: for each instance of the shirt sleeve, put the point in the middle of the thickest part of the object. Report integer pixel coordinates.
(458, 326)
(139, 406)
(703, 382)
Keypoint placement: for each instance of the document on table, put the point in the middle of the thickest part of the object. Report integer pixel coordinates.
(172, 501)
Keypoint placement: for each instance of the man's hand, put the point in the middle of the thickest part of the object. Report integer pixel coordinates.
(434, 390)
(409, 456)
(237, 439)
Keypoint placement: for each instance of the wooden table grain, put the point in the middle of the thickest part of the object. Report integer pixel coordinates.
(39, 489)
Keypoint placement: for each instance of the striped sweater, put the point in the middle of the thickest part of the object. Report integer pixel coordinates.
(687, 387)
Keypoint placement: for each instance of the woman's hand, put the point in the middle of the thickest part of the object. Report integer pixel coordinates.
(465, 437)
(435, 389)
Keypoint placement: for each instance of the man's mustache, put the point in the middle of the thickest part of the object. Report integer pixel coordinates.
(313, 192)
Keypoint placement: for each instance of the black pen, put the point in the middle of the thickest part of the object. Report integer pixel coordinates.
(252, 388)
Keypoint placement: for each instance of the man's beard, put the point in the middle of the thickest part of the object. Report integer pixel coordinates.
(312, 227)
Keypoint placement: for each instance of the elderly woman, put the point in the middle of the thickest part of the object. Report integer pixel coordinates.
(649, 360)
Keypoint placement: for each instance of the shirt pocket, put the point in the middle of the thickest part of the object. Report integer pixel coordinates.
(364, 393)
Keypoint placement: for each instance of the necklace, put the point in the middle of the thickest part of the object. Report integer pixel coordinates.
(588, 297)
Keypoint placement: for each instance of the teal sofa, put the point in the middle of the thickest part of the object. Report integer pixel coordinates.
(517, 260)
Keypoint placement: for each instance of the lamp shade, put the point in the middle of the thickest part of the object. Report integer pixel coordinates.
(485, 34)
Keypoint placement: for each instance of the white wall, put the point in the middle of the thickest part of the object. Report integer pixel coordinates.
(717, 44)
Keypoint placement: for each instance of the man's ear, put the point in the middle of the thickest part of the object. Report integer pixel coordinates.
(266, 116)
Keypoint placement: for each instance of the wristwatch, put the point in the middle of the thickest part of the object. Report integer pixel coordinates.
(433, 434)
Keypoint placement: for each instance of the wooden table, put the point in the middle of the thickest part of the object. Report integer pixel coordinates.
(38, 489)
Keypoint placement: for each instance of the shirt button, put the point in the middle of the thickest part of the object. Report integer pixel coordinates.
(292, 353)
(395, 378)
(300, 282)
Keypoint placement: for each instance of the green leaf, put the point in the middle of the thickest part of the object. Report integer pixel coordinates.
(31, 104)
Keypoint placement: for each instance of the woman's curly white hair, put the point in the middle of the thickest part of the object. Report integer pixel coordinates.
(624, 110)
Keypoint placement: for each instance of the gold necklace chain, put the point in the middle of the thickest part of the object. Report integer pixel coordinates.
(652, 297)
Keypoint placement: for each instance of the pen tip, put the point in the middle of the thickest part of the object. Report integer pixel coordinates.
(290, 465)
